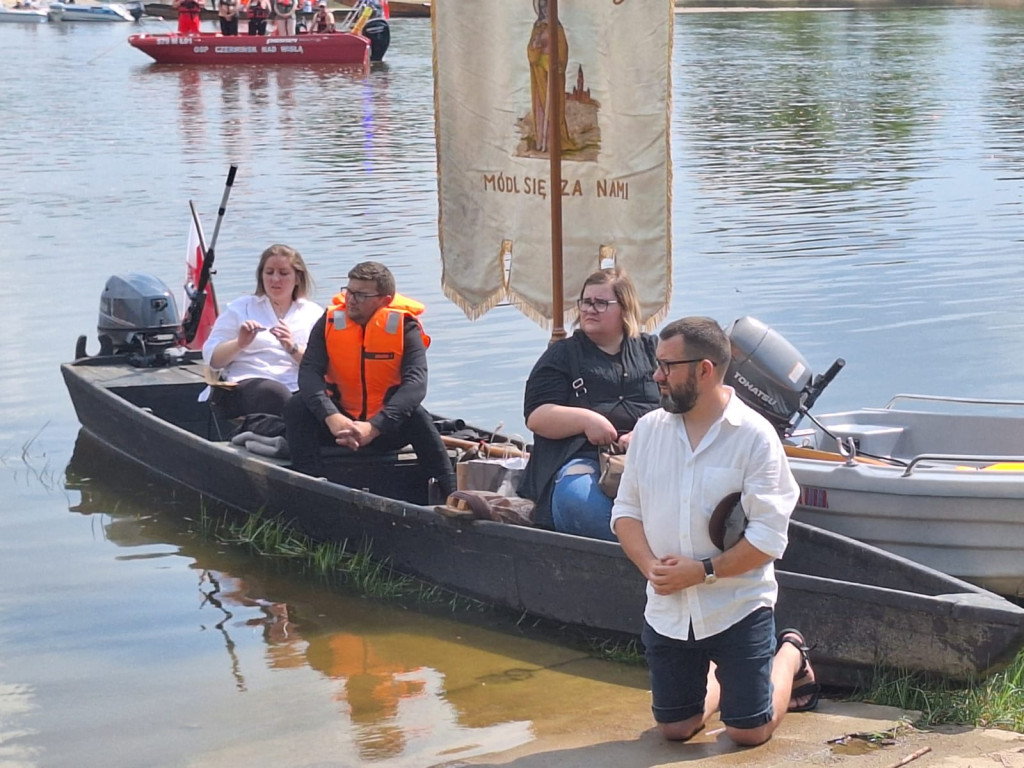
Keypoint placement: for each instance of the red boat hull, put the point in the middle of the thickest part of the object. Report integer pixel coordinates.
(337, 48)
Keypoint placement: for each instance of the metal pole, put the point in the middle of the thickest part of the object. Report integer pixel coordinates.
(555, 98)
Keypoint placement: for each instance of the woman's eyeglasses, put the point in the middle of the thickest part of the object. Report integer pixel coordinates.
(595, 305)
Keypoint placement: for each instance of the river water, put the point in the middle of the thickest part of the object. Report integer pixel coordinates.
(852, 178)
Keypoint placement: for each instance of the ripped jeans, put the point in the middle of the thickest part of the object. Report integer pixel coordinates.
(578, 505)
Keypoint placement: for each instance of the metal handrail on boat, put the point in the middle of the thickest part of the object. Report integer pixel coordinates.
(960, 458)
(945, 399)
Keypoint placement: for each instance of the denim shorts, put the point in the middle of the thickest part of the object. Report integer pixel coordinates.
(743, 656)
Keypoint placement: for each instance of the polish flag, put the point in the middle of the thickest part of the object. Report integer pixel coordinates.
(193, 268)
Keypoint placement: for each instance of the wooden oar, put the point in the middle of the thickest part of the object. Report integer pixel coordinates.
(797, 452)
(500, 450)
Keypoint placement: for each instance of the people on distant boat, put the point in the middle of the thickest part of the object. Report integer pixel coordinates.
(227, 11)
(323, 21)
(189, 12)
(284, 14)
(585, 393)
(258, 341)
(363, 379)
(259, 12)
(709, 610)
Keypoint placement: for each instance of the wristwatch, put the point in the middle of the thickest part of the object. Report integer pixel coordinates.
(710, 577)
(294, 349)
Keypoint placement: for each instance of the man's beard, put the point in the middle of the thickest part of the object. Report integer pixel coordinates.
(682, 400)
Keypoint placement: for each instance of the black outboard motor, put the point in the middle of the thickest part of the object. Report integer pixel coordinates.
(771, 376)
(139, 318)
(378, 32)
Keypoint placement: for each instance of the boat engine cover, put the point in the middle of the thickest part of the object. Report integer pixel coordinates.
(767, 372)
(138, 314)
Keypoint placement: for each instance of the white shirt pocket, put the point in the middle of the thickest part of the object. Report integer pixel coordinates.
(717, 483)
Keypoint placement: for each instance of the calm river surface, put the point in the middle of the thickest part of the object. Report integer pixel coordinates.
(854, 179)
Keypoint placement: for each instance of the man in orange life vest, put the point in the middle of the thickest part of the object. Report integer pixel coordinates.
(363, 378)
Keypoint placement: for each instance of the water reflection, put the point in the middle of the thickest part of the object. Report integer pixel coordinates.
(403, 688)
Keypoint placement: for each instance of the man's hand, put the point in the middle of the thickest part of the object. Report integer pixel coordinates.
(674, 573)
(340, 426)
(364, 433)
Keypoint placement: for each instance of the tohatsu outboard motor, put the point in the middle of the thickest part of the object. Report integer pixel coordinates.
(138, 318)
(771, 376)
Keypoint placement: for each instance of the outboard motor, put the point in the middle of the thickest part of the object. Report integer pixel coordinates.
(378, 32)
(138, 317)
(771, 376)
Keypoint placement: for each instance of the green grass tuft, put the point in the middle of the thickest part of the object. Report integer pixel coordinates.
(995, 702)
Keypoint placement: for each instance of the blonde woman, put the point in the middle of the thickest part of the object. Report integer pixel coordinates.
(259, 340)
(585, 392)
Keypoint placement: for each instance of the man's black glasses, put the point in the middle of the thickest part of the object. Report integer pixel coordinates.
(665, 366)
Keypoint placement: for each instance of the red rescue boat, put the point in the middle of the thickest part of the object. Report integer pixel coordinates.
(334, 48)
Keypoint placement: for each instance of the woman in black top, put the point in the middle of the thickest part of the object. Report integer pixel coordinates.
(584, 392)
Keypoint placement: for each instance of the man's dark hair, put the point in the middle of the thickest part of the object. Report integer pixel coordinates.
(378, 273)
(703, 338)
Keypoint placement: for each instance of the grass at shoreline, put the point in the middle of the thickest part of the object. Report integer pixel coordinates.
(996, 702)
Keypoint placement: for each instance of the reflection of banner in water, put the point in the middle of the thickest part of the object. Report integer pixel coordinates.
(491, 108)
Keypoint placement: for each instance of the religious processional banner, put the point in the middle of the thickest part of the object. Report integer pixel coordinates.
(491, 101)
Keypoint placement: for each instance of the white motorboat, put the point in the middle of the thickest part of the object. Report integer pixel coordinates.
(23, 15)
(938, 480)
(71, 11)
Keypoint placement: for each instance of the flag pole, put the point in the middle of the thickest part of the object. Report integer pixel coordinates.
(554, 117)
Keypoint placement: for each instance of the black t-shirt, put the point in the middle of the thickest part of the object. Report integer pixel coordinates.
(575, 372)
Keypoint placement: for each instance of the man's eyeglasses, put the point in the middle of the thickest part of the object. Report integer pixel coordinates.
(597, 305)
(665, 366)
(357, 296)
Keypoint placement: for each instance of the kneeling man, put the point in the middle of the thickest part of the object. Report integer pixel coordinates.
(709, 625)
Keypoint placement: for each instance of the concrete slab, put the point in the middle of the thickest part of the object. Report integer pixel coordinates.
(622, 736)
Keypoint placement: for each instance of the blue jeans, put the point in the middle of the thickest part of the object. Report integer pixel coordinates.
(578, 505)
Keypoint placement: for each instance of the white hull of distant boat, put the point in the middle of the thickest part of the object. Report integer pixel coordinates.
(22, 15)
(77, 12)
(948, 492)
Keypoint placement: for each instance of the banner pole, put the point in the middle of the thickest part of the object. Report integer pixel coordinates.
(556, 95)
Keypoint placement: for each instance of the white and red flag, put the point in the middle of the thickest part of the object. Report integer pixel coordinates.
(193, 269)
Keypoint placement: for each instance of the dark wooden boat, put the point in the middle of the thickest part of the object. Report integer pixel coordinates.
(339, 48)
(863, 608)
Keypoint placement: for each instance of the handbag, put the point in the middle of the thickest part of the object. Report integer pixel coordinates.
(611, 460)
(498, 474)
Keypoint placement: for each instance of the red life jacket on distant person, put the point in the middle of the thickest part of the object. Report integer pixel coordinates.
(364, 364)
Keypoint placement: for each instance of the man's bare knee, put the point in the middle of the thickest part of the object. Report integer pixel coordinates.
(682, 730)
(750, 737)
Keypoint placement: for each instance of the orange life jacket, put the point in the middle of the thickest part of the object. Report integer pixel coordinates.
(364, 364)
